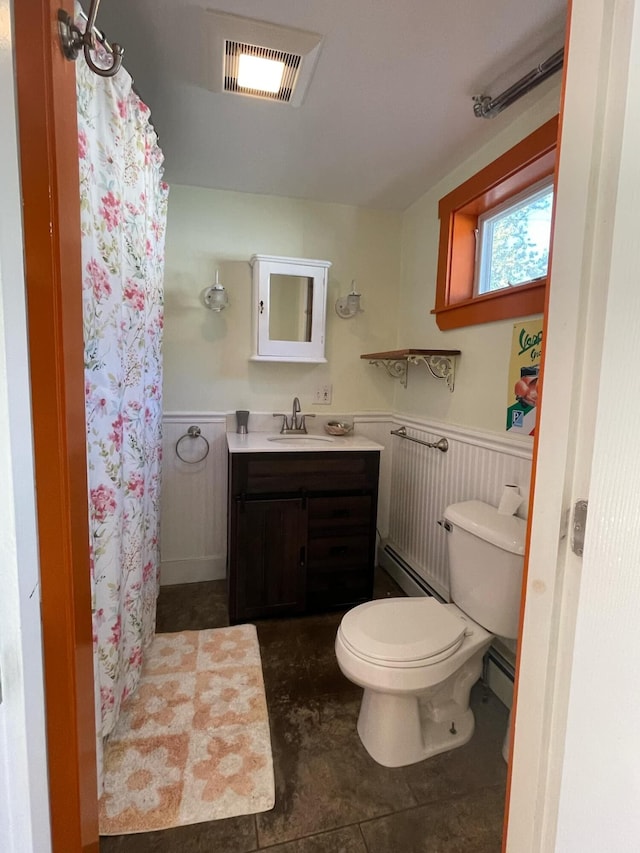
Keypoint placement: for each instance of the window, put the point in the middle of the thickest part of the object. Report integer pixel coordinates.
(513, 241)
(495, 236)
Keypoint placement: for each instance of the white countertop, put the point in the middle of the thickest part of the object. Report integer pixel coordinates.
(273, 442)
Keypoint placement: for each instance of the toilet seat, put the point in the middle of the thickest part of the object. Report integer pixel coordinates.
(402, 632)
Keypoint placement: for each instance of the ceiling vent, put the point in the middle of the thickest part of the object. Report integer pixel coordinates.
(290, 54)
(235, 51)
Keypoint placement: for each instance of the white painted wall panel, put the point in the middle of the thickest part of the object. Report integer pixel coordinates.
(600, 789)
(377, 428)
(416, 484)
(425, 481)
(193, 537)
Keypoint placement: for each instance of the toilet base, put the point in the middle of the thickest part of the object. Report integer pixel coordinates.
(400, 728)
(395, 733)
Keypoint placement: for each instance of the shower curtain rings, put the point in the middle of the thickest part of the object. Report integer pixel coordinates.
(192, 432)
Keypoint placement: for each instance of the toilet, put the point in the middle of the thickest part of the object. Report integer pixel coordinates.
(417, 659)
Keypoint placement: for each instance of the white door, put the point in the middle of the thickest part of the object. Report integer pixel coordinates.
(576, 763)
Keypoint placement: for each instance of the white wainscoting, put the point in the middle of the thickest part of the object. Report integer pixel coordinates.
(194, 497)
(416, 484)
(193, 537)
(425, 481)
(377, 427)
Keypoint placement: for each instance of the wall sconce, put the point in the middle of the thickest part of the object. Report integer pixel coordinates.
(215, 297)
(348, 306)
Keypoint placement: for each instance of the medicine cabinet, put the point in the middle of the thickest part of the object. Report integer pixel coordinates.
(289, 308)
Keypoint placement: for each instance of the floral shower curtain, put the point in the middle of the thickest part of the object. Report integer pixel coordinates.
(123, 216)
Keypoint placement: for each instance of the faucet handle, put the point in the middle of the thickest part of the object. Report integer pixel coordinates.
(285, 422)
(303, 418)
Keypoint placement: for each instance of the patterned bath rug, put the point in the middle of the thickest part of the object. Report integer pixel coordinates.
(192, 744)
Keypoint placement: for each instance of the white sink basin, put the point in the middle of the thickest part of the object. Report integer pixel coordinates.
(301, 439)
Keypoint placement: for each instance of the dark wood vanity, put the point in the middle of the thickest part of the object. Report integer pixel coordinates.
(302, 531)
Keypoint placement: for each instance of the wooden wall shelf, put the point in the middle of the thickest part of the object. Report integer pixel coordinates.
(440, 362)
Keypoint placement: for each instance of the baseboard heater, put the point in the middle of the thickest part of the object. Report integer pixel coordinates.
(505, 666)
(404, 574)
(499, 667)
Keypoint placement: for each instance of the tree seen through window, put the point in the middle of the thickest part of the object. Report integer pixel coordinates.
(515, 243)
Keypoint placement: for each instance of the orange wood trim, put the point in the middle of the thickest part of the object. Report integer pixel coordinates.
(49, 157)
(526, 152)
(500, 305)
(445, 256)
(530, 174)
(462, 265)
(523, 165)
(536, 440)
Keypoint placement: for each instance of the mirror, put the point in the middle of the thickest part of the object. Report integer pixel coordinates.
(290, 307)
(289, 299)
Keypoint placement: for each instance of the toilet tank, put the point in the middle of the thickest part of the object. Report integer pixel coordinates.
(486, 558)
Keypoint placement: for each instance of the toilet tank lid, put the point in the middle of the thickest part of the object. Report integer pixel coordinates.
(483, 520)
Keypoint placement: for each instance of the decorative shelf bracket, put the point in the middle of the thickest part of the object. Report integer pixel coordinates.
(440, 363)
(397, 369)
(440, 367)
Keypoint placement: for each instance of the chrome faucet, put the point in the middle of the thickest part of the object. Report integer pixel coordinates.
(297, 424)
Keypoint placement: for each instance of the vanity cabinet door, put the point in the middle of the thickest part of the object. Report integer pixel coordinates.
(268, 564)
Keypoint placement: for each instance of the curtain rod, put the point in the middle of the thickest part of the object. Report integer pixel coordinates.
(484, 106)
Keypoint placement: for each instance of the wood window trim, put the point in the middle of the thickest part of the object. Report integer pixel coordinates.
(520, 167)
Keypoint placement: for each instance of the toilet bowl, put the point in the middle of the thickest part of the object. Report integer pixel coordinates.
(417, 659)
(416, 681)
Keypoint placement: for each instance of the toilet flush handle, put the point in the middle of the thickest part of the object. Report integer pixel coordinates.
(446, 524)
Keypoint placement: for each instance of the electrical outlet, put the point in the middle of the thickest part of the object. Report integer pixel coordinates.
(322, 396)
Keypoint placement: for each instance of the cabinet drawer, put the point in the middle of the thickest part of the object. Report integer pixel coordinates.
(337, 552)
(287, 473)
(335, 516)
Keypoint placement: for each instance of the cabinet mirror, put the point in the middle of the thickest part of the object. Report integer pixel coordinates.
(289, 308)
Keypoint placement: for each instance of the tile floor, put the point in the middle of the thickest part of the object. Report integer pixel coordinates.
(331, 797)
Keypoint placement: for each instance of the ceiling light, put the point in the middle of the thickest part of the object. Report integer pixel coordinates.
(256, 72)
(237, 42)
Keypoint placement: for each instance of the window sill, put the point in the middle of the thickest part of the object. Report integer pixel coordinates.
(501, 305)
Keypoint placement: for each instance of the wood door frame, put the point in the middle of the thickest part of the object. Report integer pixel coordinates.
(48, 145)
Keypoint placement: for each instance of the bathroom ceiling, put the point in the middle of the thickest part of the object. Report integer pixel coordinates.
(388, 110)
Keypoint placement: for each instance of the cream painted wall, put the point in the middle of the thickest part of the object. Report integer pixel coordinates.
(206, 355)
(479, 399)
(393, 258)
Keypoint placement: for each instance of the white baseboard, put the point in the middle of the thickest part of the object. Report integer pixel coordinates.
(192, 571)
